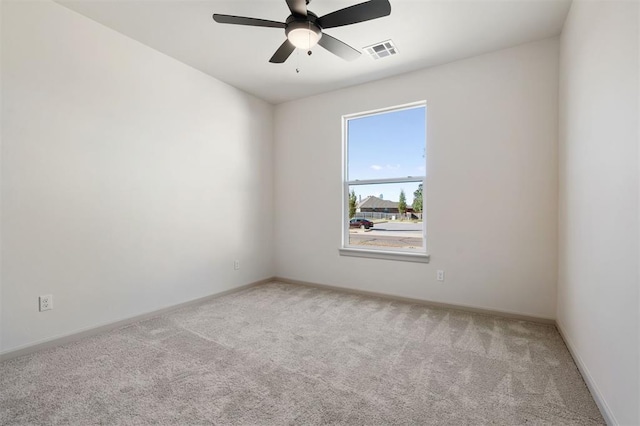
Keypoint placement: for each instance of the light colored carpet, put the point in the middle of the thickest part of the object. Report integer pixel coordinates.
(284, 354)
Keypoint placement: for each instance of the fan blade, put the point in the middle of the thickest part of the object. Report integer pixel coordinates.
(283, 52)
(243, 20)
(338, 47)
(298, 7)
(358, 13)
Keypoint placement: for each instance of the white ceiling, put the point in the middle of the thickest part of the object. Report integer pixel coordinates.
(426, 33)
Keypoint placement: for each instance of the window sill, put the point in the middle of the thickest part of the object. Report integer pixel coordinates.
(386, 255)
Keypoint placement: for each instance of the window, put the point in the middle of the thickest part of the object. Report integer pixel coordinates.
(384, 159)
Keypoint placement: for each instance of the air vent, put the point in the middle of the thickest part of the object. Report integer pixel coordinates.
(382, 49)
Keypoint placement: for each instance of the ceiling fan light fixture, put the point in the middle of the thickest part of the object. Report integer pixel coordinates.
(303, 35)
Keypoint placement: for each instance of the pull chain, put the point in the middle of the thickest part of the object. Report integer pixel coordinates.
(309, 33)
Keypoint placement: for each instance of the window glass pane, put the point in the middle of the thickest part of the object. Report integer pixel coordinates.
(388, 145)
(377, 220)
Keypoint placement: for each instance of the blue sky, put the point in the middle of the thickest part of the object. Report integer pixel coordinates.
(387, 145)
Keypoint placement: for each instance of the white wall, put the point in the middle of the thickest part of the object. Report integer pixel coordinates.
(599, 214)
(1, 125)
(491, 194)
(130, 181)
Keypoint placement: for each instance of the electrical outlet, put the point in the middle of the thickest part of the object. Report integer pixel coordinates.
(236, 264)
(46, 302)
(440, 275)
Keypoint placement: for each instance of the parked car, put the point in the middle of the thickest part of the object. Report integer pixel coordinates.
(358, 222)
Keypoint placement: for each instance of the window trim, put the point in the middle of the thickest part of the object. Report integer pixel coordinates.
(385, 254)
(372, 252)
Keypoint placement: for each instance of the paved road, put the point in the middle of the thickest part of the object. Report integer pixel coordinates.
(398, 226)
(389, 234)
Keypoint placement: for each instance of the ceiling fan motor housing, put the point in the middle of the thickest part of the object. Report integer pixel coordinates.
(303, 31)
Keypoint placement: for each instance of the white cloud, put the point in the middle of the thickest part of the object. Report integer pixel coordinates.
(388, 167)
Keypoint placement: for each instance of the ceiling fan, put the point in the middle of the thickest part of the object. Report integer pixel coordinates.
(304, 29)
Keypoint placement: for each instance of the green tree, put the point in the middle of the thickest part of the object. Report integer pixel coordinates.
(352, 204)
(402, 203)
(417, 199)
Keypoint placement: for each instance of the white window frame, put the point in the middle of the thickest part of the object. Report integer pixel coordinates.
(373, 252)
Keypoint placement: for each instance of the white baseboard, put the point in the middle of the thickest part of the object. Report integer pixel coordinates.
(466, 308)
(588, 379)
(101, 328)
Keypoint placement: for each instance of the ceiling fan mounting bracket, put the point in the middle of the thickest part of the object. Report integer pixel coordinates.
(311, 17)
